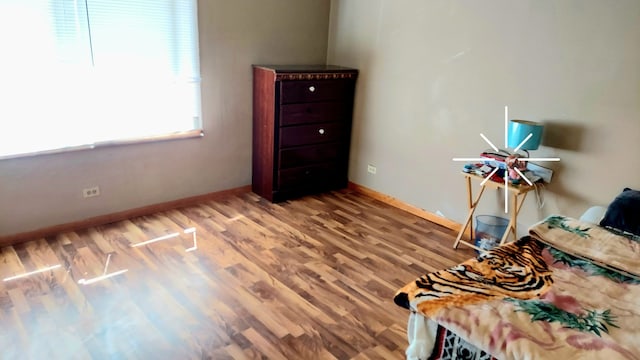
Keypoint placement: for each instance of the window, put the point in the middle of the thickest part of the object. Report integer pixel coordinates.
(81, 73)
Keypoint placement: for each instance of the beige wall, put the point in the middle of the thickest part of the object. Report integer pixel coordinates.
(46, 190)
(435, 74)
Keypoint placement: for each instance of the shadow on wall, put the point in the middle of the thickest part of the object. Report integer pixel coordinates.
(361, 147)
(563, 135)
(572, 201)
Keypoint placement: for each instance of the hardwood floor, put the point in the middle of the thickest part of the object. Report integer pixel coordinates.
(311, 278)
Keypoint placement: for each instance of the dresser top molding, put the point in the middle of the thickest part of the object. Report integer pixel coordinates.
(310, 72)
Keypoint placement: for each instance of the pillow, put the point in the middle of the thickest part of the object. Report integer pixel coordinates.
(594, 214)
(624, 212)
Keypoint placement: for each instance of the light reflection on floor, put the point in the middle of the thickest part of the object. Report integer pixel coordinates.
(21, 276)
(106, 275)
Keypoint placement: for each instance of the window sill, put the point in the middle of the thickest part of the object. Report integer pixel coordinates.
(142, 140)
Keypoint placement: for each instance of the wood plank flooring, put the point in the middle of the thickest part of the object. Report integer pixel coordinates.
(311, 278)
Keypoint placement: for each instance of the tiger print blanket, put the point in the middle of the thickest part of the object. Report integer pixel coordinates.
(571, 290)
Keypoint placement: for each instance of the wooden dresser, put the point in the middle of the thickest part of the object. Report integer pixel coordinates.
(301, 129)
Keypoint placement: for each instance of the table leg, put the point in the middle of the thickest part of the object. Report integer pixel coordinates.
(510, 226)
(518, 200)
(470, 203)
(515, 217)
(518, 206)
(469, 218)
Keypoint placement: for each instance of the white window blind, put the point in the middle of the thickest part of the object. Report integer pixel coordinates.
(78, 73)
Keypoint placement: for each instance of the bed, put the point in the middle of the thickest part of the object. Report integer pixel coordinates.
(569, 290)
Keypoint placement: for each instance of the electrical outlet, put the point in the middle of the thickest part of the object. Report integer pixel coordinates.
(371, 169)
(91, 192)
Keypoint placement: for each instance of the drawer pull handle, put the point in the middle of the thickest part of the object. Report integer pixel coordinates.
(312, 88)
(321, 131)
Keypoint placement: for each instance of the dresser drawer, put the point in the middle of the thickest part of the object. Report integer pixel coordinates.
(313, 134)
(307, 113)
(308, 155)
(315, 176)
(315, 91)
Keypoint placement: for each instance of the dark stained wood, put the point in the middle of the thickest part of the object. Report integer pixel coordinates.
(313, 134)
(307, 113)
(264, 105)
(311, 278)
(327, 90)
(297, 107)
